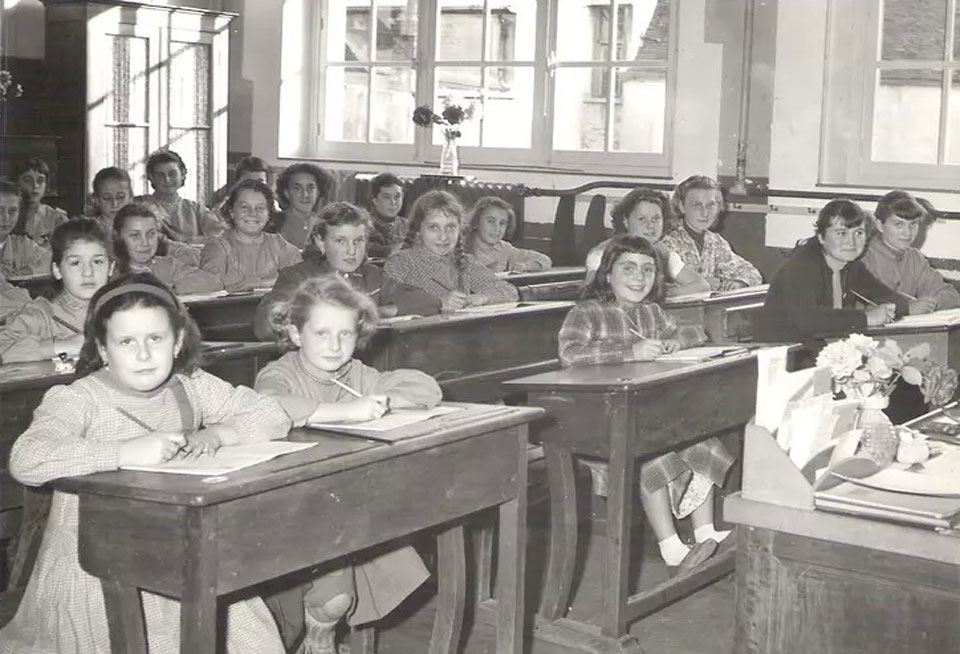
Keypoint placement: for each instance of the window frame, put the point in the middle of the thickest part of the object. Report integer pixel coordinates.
(539, 156)
(853, 45)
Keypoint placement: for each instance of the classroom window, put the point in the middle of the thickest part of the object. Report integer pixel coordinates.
(557, 83)
(901, 99)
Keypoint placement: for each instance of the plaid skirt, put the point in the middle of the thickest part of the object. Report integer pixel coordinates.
(707, 459)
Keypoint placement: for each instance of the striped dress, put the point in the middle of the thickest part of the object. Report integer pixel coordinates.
(596, 332)
(78, 430)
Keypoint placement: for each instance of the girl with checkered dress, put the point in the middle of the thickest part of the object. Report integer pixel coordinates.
(619, 321)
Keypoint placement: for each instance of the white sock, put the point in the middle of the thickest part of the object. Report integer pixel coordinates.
(673, 550)
(707, 532)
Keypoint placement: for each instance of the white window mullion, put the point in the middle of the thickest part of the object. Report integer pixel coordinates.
(541, 138)
(425, 64)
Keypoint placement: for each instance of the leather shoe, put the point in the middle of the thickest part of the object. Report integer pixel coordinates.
(697, 555)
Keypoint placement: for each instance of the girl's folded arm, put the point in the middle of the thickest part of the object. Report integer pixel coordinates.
(55, 446)
(27, 336)
(255, 417)
(578, 344)
(412, 387)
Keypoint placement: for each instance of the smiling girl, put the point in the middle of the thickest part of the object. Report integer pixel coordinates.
(301, 189)
(433, 258)
(181, 219)
(48, 328)
(33, 177)
(246, 257)
(338, 246)
(891, 257)
(491, 221)
(618, 321)
(698, 201)
(818, 292)
(137, 246)
(140, 399)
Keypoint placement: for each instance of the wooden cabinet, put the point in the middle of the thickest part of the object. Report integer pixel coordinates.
(129, 78)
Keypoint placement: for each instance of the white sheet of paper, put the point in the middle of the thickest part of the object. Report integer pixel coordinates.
(396, 418)
(703, 352)
(934, 319)
(227, 459)
(199, 297)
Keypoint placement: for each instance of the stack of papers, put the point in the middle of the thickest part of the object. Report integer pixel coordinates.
(934, 319)
(199, 297)
(900, 507)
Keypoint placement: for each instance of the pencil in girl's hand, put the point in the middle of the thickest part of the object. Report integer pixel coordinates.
(345, 387)
(441, 284)
(867, 300)
(907, 295)
(135, 419)
(636, 333)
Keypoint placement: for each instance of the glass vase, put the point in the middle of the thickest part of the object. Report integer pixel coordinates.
(879, 439)
(449, 156)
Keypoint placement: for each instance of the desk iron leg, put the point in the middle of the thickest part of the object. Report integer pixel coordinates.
(128, 634)
(563, 532)
(451, 599)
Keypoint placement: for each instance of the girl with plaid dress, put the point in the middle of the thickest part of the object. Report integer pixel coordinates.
(433, 259)
(139, 399)
(619, 321)
(318, 381)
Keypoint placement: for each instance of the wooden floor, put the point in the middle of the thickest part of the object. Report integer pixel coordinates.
(700, 624)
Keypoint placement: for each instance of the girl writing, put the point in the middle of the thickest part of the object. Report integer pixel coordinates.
(138, 395)
(137, 244)
(618, 321)
(45, 328)
(319, 381)
(433, 258)
(338, 246)
(19, 254)
(491, 221)
(301, 189)
(33, 176)
(643, 212)
(182, 219)
(245, 256)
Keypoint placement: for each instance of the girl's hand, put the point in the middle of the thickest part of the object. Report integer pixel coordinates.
(647, 349)
(880, 314)
(477, 299)
(517, 266)
(368, 407)
(150, 449)
(923, 305)
(729, 285)
(715, 283)
(670, 345)
(387, 310)
(453, 300)
(69, 346)
(199, 443)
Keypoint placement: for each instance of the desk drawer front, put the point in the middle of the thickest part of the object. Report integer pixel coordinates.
(271, 534)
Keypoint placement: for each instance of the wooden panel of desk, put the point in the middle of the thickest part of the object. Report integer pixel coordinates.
(811, 581)
(944, 340)
(724, 319)
(228, 318)
(556, 274)
(470, 354)
(36, 285)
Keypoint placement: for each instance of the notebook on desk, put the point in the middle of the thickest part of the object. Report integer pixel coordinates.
(381, 427)
(227, 459)
(941, 318)
(901, 507)
(703, 353)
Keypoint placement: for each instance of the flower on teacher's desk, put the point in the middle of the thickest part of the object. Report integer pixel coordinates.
(8, 88)
(451, 115)
(861, 367)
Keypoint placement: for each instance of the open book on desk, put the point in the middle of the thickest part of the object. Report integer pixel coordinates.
(200, 297)
(941, 318)
(227, 459)
(748, 291)
(382, 428)
(703, 353)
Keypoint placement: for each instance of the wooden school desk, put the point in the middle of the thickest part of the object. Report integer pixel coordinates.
(22, 386)
(725, 316)
(619, 413)
(812, 581)
(944, 340)
(226, 318)
(469, 354)
(176, 535)
(556, 274)
(36, 285)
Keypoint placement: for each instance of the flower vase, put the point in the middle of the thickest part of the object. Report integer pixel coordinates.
(879, 439)
(449, 156)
